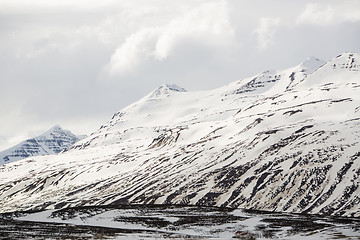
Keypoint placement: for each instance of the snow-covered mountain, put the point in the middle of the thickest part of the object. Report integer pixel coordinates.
(52, 141)
(284, 141)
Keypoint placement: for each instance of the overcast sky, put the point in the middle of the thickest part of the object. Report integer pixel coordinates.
(75, 63)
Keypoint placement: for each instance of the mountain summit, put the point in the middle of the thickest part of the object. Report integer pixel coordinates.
(284, 141)
(52, 141)
(165, 91)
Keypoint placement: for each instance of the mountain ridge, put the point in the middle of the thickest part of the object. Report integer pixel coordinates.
(256, 144)
(52, 141)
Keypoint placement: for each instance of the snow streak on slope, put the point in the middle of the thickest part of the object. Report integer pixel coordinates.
(53, 141)
(280, 141)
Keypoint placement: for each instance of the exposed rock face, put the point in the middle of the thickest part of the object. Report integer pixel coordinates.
(53, 141)
(281, 141)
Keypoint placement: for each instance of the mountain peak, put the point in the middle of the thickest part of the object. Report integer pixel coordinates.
(339, 70)
(311, 64)
(166, 90)
(171, 87)
(55, 128)
(53, 141)
(348, 60)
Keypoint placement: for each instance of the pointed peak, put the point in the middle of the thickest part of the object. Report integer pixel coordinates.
(172, 87)
(343, 68)
(312, 59)
(56, 128)
(311, 64)
(166, 90)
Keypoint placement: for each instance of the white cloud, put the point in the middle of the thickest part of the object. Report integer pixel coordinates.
(329, 14)
(136, 48)
(207, 24)
(265, 31)
(316, 14)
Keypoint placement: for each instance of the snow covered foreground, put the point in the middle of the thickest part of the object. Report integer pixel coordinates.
(284, 141)
(172, 222)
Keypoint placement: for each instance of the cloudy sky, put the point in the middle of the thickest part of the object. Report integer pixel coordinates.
(75, 63)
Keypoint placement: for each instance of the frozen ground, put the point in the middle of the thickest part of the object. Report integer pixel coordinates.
(171, 222)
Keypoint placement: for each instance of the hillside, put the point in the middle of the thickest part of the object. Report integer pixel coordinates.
(285, 141)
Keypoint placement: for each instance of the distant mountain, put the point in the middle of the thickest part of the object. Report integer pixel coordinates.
(52, 141)
(284, 141)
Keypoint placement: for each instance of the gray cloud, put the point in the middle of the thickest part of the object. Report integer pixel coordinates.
(75, 63)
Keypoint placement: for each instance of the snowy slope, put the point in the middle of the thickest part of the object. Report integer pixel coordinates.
(52, 141)
(283, 141)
